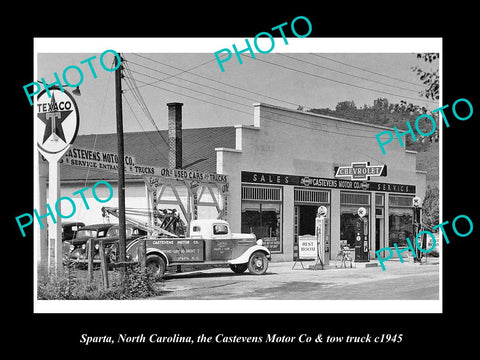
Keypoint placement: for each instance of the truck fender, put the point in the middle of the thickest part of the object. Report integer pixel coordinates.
(243, 259)
(155, 251)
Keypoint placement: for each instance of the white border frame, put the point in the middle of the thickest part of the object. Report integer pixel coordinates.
(211, 45)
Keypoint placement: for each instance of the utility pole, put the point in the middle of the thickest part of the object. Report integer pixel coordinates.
(121, 170)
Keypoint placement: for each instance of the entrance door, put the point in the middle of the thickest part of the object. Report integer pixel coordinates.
(379, 234)
(307, 215)
(304, 223)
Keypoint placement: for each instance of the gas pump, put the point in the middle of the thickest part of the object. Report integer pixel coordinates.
(361, 237)
(417, 226)
(321, 233)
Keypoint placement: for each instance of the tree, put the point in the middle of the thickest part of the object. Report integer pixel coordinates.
(430, 207)
(430, 79)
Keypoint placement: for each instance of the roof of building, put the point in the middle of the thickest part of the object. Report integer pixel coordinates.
(151, 148)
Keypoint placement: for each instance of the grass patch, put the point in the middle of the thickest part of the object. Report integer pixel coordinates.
(74, 285)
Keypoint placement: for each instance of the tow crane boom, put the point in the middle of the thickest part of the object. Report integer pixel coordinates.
(154, 230)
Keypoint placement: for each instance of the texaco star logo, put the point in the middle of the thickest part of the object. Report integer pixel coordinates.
(58, 121)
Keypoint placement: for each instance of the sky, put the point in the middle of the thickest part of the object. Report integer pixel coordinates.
(306, 72)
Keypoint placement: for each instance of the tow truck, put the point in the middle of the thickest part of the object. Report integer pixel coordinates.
(210, 243)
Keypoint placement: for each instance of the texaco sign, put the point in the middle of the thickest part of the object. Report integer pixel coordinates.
(58, 120)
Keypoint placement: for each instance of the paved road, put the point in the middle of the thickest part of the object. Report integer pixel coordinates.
(398, 282)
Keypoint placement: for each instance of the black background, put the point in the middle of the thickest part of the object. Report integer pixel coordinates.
(58, 335)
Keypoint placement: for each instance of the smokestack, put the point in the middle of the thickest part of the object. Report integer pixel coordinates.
(175, 135)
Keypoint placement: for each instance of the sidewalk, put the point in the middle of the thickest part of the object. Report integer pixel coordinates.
(395, 262)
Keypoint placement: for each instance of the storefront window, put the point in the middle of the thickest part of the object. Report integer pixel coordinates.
(264, 220)
(349, 205)
(348, 219)
(400, 222)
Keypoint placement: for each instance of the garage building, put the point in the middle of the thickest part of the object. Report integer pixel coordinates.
(280, 169)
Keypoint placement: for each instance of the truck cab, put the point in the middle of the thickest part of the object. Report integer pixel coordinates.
(211, 242)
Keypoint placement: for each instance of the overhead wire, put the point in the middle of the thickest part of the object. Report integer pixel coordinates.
(190, 89)
(280, 121)
(349, 128)
(145, 132)
(100, 122)
(287, 116)
(218, 81)
(189, 81)
(345, 73)
(139, 98)
(367, 70)
(192, 97)
(336, 81)
(216, 104)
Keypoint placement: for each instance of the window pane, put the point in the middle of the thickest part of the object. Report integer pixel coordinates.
(220, 229)
(263, 219)
(401, 226)
(348, 219)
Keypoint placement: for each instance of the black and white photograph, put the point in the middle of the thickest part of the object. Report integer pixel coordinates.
(249, 176)
(269, 189)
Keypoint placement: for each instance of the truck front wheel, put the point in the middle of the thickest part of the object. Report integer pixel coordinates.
(156, 265)
(238, 268)
(258, 263)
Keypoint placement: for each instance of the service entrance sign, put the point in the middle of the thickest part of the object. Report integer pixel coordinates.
(57, 121)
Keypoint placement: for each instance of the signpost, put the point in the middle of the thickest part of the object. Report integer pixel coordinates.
(57, 121)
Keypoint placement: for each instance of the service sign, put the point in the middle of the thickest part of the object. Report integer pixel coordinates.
(57, 121)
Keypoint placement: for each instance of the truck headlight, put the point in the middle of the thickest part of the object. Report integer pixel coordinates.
(259, 242)
(72, 247)
(84, 246)
(97, 246)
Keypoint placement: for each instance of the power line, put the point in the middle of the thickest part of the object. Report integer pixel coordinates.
(143, 130)
(189, 81)
(228, 99)
(101, 118)
(337, 81)
(195, 98)
(219, 82)
(187, 88)
(138, 97)
(287, 116)
(370, 71)
(348, 74)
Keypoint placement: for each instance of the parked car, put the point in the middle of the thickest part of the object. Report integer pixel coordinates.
(69, 229)
(77, 247)
(111, 240)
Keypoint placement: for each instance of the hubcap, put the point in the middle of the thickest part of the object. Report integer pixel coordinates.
(258, 263)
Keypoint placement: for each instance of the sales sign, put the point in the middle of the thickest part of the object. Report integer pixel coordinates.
(320, 182)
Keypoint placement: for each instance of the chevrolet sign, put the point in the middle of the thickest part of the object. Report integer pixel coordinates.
(361, 171)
